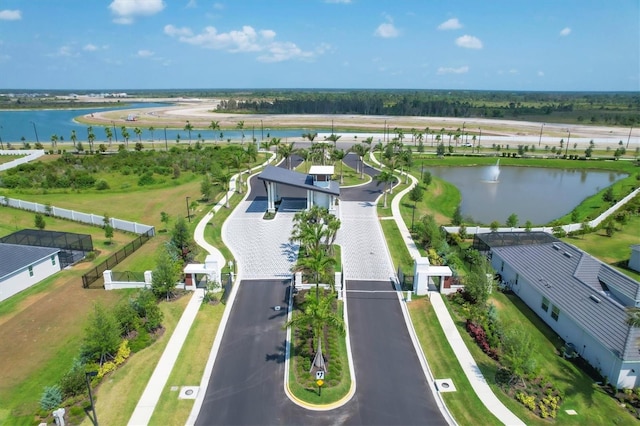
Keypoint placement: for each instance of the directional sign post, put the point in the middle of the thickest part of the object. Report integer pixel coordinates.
(319, 382)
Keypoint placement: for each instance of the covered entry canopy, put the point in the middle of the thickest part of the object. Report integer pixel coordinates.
(324, 195)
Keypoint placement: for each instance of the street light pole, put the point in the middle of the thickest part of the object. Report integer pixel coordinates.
(35, 131)
(628, 138)
(479, 137)
(540, 138)
(93, 407)
(566, 151)
(463, 123)
(188, 212)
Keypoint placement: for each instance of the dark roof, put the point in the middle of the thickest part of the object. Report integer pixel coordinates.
(14, 257)
(296, 179)
(572, 280)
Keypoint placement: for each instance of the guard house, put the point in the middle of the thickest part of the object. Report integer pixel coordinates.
(317, 185)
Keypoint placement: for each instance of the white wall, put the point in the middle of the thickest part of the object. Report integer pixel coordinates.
(21, 280)
(634, 260)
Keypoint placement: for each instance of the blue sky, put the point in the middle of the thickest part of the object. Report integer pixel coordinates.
(406, 44)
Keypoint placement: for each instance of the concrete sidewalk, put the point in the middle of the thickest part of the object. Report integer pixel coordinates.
(468, 364)
(147, 403)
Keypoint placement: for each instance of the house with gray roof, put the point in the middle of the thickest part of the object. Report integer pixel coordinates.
(581, 298)
(317, 186)
(23, 266)
(634, 260)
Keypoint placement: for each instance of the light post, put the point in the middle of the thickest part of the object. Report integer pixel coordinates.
(114, 131)
(463, 123)
(87, 376)
(479, 137)
(35, 131)
(188, 212)
(540, 138)
(566, 151)
(628, 138)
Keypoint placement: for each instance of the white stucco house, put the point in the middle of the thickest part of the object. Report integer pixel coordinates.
(23, 266)
(581, 298)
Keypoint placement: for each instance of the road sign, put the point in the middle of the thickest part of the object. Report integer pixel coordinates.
(319, 375)
(319, 382)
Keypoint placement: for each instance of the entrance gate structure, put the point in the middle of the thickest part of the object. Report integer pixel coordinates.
(320, 189)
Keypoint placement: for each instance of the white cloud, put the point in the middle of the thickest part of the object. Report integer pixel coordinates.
(450, 24)
(192, 4)
(540, 74)
(386, 30)
(90, 47)
(64, 51)
(127, 10)
(513, 71)
(461, 70)
(143, 53)
(218, 6)
(173, 31)
(245, 40)
(10, 15)
(469, 42)
(565, 31)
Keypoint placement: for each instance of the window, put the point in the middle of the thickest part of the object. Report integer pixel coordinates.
(53, 259)
(545, 304)
(555, 313)
(30, 271)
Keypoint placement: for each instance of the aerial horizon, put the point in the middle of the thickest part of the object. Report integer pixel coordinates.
(541, 46)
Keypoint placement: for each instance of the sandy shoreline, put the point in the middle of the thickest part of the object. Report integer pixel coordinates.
(200, 114)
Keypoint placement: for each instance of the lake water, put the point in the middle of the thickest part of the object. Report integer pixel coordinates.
(17, 124)
(540, 195)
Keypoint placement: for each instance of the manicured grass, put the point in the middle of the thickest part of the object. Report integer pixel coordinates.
(118, 394)
(213, 231)
(463, 404)
(594, 407)
(399, 253)
(614, 250)
(350, 176)
(188, 372)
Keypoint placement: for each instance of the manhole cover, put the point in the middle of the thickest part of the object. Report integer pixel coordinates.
(189, 392)
(276, 308)
(445, 385)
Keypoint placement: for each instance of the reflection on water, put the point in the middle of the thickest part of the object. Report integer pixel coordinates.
(536, 194)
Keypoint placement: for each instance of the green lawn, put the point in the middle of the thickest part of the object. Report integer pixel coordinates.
(190, 367)
(463, 404)
(593, 406)
(399, 253)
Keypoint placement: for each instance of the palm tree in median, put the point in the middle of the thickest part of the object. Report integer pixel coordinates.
(386, 178)
(224, 179)
(318, 314)
(286, 151)
(318, 263)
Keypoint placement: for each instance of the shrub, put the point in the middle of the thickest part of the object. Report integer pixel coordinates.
(106, 368)
(51, 398)
(102, 184)
(73, 383)
(528, 401)
(141, 341)
(123, 352)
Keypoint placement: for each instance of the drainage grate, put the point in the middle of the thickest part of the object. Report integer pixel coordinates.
(445, 385)
(188, 392)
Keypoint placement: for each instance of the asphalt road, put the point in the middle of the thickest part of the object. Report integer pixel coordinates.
(246, 385)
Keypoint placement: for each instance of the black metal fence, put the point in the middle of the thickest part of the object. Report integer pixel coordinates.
(96, 273)
(128, 276)
(73, 247)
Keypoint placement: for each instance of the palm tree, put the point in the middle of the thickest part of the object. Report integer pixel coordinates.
(334, 138)
(318, 314)
(386, 178)
(224, 179)
(188, 127)
(338, 155)
(54, 140)
(361, 151)
(275, 142)
(238, 161)
(304, 153)
(318, 263)
(240, 126)
(151, 130)
(215, 125)
(368, 141)
(286, 151)
(109, 134)
(633, 317)
(90, 137)
(310, 136)
(138, 133)
(73, 138)
(125, 135)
